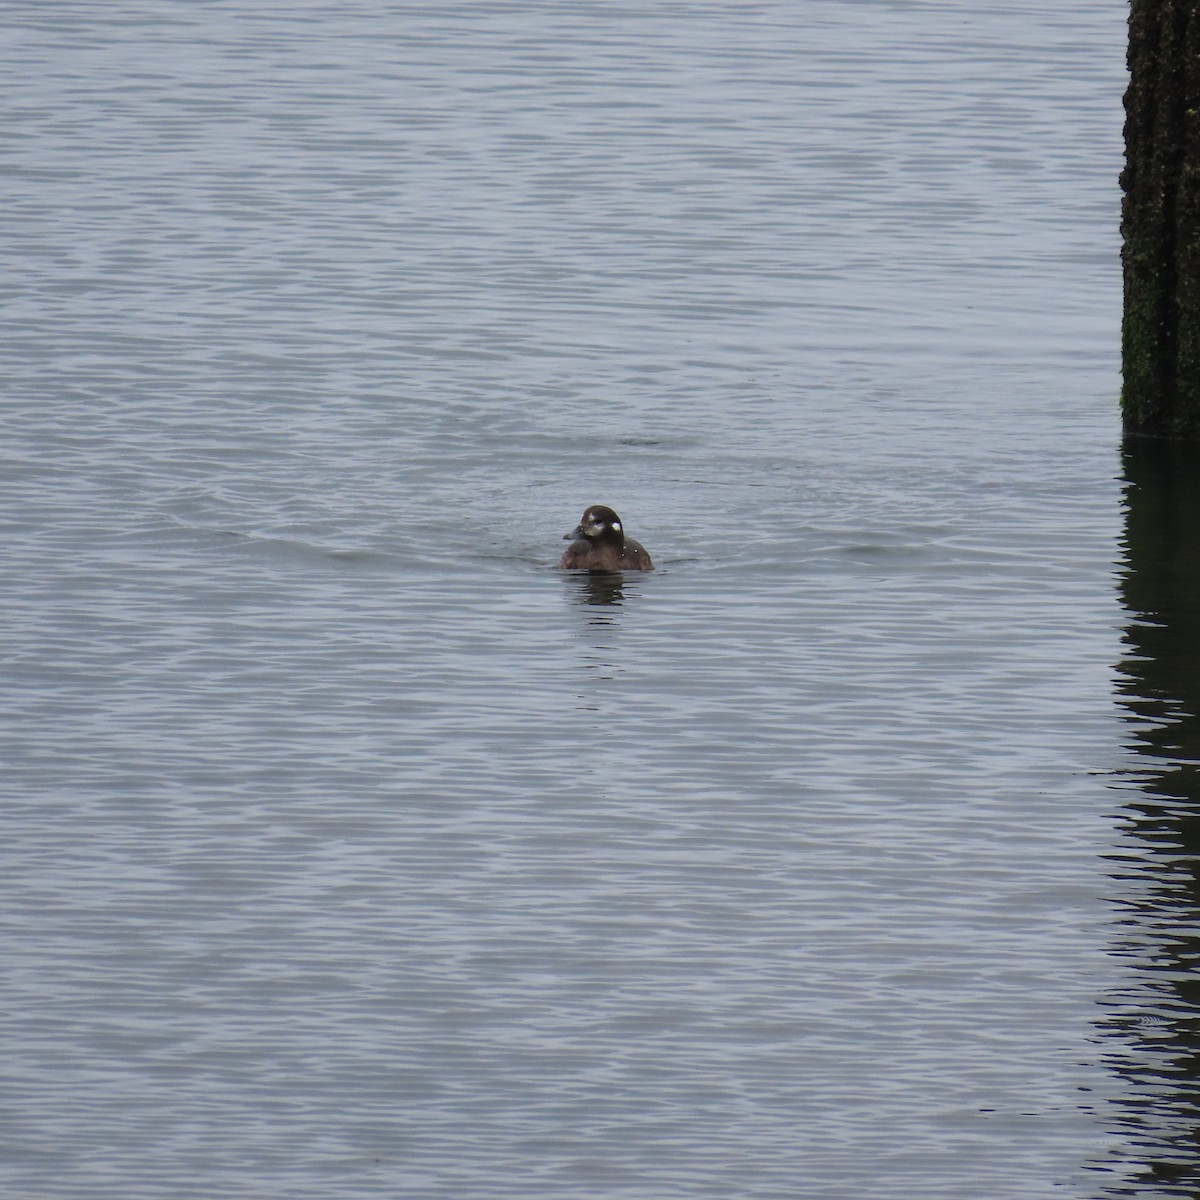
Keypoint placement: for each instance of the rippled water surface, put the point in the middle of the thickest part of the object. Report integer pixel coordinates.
(348, 849)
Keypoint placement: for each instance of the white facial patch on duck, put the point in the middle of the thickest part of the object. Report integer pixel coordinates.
(596, 526)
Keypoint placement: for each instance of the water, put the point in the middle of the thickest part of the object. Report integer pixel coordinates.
(351, 850)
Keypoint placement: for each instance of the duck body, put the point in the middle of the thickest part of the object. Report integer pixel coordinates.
(598, 543)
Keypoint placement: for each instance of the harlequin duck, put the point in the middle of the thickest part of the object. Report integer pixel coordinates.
(598, 543)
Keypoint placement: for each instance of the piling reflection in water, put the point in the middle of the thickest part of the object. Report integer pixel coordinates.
(1152, 1030)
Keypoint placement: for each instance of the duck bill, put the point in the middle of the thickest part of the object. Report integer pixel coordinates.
(574, 535)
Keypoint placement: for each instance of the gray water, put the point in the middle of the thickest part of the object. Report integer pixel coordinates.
(348, 849)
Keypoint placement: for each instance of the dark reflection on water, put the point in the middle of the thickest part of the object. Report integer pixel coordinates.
(1152, 1030)
(599, 589)
(600, 597)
